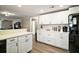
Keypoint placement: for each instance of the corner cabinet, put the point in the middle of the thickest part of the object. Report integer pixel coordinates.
(20, 44)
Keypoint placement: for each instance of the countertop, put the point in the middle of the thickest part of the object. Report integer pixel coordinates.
(10, 34)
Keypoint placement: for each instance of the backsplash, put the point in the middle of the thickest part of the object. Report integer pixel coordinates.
(12, 31)
(55, 27)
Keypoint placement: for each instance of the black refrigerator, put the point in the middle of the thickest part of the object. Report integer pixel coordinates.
(73, 20)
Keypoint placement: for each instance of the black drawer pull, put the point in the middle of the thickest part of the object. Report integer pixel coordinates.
(12, 40)
(26, 40)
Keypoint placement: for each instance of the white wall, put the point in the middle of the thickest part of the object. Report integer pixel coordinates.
(1, 22)
(26, 23)
(13, 21)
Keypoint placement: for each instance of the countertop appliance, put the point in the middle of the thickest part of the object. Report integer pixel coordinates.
(65, 29)
(73, 21)
(17, 25)
(2, 46)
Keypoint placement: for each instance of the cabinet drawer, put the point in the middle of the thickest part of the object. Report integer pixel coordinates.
(28, 36)
(11, 41)
(24, 41)
(24, 38)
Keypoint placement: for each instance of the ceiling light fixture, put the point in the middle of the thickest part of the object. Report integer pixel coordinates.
(41, 10)
(51, 6)
(7, 13)
(60, 5)
(3, 12)
(19, 5)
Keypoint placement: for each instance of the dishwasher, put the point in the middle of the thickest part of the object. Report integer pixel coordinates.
(2, 46)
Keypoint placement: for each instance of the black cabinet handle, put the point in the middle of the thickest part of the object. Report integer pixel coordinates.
(12, 40)
(26, 40)
(16, 44)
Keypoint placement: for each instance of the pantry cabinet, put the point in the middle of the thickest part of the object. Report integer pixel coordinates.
(20, 44)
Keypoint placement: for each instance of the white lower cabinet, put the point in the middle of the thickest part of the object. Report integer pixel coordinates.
(21, 44)
(55, 39)
(25, 44)
(40, 36)
(12, 45)
(65, 41)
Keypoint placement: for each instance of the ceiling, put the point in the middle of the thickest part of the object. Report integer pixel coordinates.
(31, 10)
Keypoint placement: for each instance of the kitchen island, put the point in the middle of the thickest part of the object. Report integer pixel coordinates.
(17, 41)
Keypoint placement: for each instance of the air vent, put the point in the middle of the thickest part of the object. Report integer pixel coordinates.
(51, 7)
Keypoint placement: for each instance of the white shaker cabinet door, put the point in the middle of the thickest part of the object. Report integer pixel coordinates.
(44, 19)
(41, 20)
(40, 37)
(21, 43)
(55, 41)
(29, 43)
(12, 45)
(74, 10)
(65, 41)
(25, 44)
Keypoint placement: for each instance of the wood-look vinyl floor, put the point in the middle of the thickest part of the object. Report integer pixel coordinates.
(39, 47)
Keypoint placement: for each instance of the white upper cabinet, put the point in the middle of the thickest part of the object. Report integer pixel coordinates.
(74, 10)
(64, 17)
(54, 18)
(65, 41)
(45, 19)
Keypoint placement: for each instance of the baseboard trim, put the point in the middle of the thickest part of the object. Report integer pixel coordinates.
(52, 45)
(29, 51)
